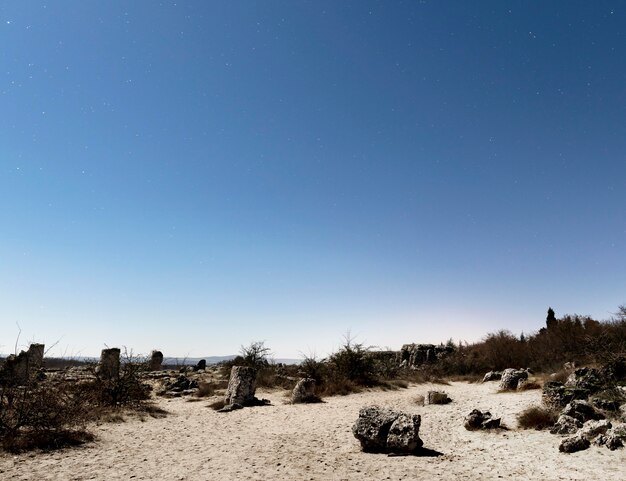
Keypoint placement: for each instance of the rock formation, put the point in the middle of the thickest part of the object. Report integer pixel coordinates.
(109, 367)
(304, 392)
(384, 430)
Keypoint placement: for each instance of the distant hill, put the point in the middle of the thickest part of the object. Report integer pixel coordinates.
(217, 359)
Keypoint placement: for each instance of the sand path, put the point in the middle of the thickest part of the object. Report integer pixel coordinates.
(314, 442)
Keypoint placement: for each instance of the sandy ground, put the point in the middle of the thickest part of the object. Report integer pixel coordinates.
(315, 442)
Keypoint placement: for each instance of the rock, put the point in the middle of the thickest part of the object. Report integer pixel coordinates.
(35, 356)
(109, 367)
(384, 430)
(582, 410)
(481, 420)
(438, 397)
(156, 361)
(241, 386)
(492, 376)
(304, 392)
(403, 435)
(511, 377)
(574, 444)
(17, 370)
(557, 395)
(591, 429)
(614, 438)
(201, 365)
(589, 379)
(566, 425)
(414, 355)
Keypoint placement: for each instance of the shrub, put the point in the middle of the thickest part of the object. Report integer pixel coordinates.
(537, 417)
(41, 414)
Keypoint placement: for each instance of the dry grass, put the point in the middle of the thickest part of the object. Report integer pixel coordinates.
(537, 417)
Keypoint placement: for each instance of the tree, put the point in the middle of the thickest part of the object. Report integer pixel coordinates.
(550, 319)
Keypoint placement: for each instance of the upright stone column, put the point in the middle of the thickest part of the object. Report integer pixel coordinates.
(109, 363)
(35, 356)
(156, 361)
(241, 386)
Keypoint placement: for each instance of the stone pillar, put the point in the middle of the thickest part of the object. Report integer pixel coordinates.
(109, 363)
(35, 356)
(156, 359)
(241, 386)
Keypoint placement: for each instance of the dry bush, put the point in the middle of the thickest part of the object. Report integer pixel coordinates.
(537, 417)
(528, 386)
(41, 415)
(420, 400)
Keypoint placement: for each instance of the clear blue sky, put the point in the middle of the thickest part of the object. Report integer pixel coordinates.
(192, 176)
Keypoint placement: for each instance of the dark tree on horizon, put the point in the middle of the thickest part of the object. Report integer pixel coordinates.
(551, 318)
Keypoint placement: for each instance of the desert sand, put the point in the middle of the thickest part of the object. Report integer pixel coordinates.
(315, 442)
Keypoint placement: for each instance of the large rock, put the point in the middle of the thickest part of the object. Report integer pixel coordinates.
(592, 429)
(304, 392)
(384, 430)
(557, 395)
(566, 425)
(414, 355)
(587, 378)
(511, 377)
(17, 370)
(156, 361)
(481, 420)
(573, 444)
(614, 438)
(438, 397)
(582, 410)
(241, 386)
(35, 356)
(109, 367)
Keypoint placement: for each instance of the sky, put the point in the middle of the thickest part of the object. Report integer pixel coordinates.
(193, 176)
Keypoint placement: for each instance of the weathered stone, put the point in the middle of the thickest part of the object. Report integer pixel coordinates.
(156, 361)
(566, 425)
(481, 420)
(384, 430)
(511, 377)
(574, 444)
(586, 378)
(557, 395)
(582, 410)
(414, 355)
(438, 397)
(35, 356)
(591, 429)
(241, 386)
(109, 367)
(304, 392)
(614, 438)
(492, 376)
(403, 435)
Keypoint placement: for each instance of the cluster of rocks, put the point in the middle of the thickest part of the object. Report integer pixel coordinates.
(414, 355)
(383, 430)
(180, 386)
(581, 400)
(510, 379)
(477, 420)
(580, 419)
